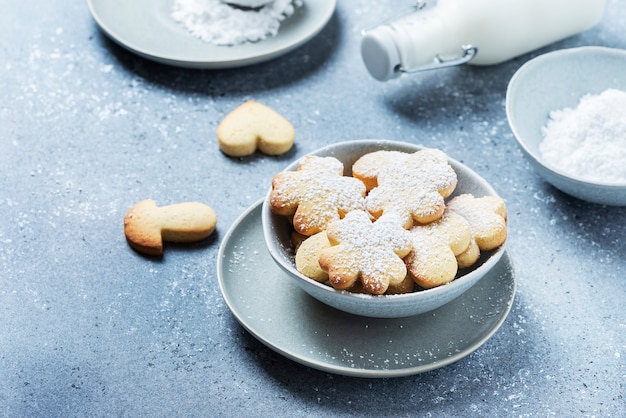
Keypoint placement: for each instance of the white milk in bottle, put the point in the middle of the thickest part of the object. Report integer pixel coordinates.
(481, 32)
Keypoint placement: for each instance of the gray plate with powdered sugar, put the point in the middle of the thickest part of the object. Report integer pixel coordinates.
(289, 321)
(147, 28)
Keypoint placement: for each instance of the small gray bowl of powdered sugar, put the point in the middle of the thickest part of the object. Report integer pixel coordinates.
(567, 110)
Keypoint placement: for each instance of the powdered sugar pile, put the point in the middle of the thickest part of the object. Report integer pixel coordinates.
(222, 24)
(589, 141)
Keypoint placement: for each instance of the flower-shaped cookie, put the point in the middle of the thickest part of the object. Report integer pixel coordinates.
(307, 256)
(432, 262)
(470, 256)
(370, 251)
(486, 216)
(369, 165)
(316, 194)
(413, 187)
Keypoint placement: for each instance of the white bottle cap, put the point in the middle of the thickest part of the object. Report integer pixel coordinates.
(380, 54)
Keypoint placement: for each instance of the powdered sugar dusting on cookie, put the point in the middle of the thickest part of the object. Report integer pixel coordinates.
(486, 216)
(432, 261)
(316, 194)
(414, 188)
(369, 165)
(373, 250)
(331, 164)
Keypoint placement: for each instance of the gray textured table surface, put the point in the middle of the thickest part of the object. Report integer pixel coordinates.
(89, 327)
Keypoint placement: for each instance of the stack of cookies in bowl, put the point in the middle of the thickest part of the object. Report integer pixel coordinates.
(382, 228)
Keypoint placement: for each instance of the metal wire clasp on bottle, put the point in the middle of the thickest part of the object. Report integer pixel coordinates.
(468, 52)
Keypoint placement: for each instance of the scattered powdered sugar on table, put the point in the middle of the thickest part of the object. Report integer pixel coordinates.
(222, 24)
(589, 141)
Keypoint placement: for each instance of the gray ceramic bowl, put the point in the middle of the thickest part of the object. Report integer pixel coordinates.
(558, 80)
(277, 232)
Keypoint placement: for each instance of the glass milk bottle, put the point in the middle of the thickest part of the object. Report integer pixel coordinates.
(480, 32)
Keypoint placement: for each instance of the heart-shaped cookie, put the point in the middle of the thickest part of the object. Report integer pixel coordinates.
(254, 125)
